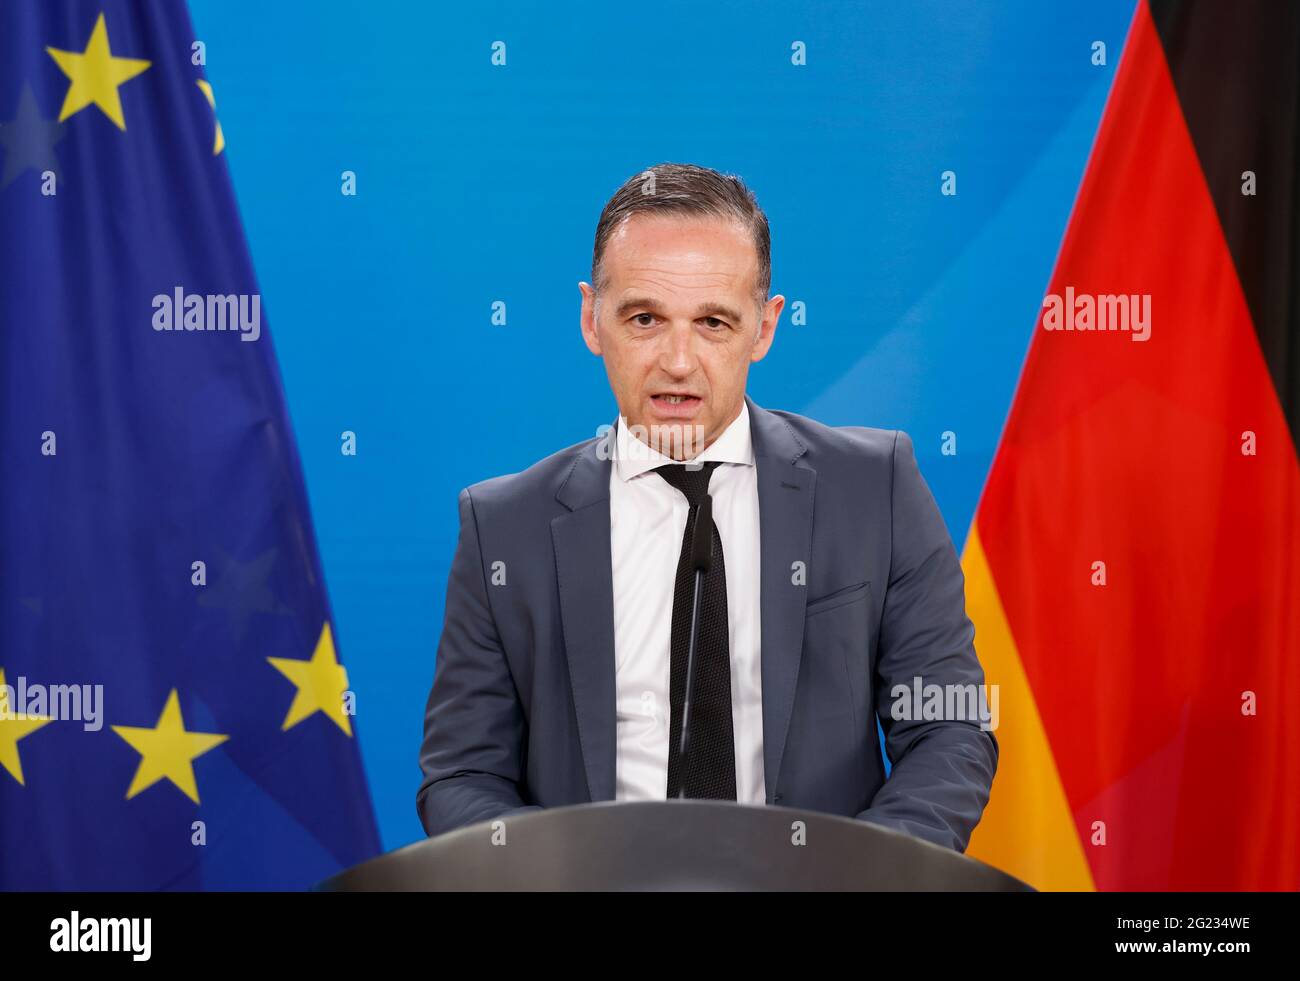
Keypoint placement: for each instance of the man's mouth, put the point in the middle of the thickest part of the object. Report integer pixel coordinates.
(676, 405)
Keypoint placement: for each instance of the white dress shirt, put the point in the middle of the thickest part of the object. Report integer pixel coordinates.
(647, 518)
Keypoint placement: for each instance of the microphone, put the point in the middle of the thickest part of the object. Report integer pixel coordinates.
(701, 562)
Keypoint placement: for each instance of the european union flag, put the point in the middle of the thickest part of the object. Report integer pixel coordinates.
(173, 713)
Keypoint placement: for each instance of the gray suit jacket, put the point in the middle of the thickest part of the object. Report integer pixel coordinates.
(521, 713)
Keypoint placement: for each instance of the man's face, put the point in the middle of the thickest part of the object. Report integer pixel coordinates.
(678, 326)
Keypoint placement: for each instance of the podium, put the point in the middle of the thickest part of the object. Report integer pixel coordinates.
(673, 845)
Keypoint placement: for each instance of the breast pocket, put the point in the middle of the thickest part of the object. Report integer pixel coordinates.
(837, 656)
(841, 597)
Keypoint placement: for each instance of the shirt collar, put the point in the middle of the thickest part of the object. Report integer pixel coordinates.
(632, 457)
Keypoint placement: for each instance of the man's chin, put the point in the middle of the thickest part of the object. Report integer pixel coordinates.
(676, 439)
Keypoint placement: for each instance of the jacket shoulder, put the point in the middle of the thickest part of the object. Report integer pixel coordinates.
(539, 482)
(823, 441)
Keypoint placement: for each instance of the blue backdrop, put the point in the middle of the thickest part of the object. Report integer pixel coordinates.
(478, 183)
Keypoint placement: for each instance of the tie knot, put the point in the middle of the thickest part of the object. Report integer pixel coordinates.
(691, 480)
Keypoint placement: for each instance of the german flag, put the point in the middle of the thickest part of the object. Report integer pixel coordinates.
(1134, 567)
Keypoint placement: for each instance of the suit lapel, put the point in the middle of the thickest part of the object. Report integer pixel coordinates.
(785, 512)
(581, 538)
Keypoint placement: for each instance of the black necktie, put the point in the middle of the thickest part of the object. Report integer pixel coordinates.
(710, 770)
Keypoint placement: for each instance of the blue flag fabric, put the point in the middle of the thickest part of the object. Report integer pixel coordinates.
(173, 714)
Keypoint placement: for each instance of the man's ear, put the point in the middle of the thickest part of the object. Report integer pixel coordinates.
(588, 319)
(767, 328)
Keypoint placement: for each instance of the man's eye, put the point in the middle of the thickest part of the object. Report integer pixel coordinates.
(644, 319)
(713, 323)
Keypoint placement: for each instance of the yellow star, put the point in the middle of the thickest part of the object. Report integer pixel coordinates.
(167, 750)
(95, 75)
(219, 143)
(321, 683)
(12, 730)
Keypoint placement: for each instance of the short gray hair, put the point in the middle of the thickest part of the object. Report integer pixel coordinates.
(686, 190)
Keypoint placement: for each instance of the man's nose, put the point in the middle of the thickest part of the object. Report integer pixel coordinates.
(677, 355)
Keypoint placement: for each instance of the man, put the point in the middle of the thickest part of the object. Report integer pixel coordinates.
(561, 669)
